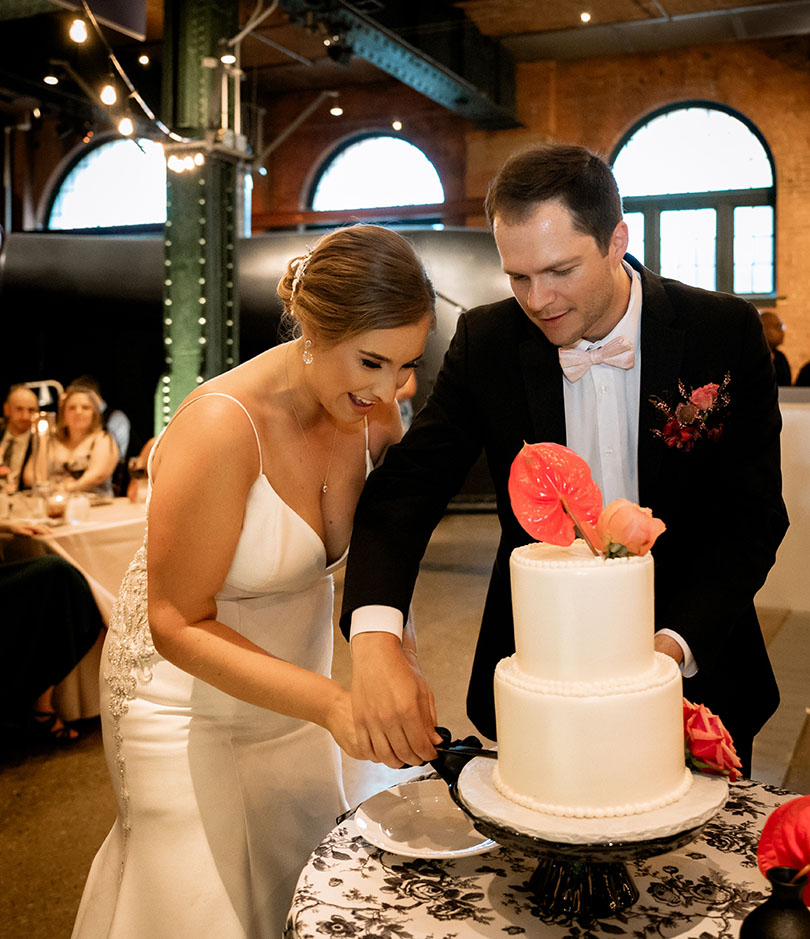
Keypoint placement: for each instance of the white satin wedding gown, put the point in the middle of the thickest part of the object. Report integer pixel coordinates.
(220, 802)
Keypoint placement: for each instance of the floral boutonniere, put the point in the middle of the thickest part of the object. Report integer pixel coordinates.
(699, 414)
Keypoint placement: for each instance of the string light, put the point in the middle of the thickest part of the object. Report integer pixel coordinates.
(143, 59)
(108, 94)
(125, 127)
(78, 31)
(397, 125)
(336, 111)
(228, 58)
(585, 16)
(51, 80)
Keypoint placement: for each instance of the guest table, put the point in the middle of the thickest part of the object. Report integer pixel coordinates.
(350, 888)
(101, 548)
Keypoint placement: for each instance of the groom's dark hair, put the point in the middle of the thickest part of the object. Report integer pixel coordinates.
(579, 179)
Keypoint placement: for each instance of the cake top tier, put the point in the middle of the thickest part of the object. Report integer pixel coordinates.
(580, 618)
(576, 555)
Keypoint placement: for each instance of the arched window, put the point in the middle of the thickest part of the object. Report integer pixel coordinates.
(697, 183)
(373, 171)
(117, 183)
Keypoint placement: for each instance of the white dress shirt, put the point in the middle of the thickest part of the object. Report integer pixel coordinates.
(601, 409)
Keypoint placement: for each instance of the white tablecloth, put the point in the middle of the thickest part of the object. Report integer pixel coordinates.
(101, 548)
(704, 889)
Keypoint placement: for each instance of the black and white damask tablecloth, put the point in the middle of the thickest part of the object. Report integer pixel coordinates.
(705, 889)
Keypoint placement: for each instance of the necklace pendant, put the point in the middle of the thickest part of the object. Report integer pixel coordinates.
(324, 487)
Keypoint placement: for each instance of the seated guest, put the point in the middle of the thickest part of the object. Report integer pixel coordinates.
(774, 330)
(51, 622)
(138, 466)
(15, 435)
(114, 421)
(803, 378)
(81, 448)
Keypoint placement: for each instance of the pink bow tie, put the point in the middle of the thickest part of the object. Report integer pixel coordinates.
(575, 362)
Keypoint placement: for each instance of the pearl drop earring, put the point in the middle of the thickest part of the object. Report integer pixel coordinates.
(306, 355)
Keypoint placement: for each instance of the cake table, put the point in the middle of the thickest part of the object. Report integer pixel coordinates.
(352, 887)
(581, 871)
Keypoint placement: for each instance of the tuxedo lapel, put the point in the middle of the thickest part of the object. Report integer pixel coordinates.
(662, 346)
(542, 379)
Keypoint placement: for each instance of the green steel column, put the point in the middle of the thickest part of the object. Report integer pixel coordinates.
(200, 295)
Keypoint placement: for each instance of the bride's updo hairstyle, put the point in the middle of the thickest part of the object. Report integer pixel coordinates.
(354, 280)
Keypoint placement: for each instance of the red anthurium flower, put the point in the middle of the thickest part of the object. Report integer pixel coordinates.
(552, 490)
(785, 839)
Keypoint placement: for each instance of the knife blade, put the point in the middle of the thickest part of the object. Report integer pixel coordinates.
(469, 751)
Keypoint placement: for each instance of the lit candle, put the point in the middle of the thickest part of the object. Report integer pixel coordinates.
(39, 449)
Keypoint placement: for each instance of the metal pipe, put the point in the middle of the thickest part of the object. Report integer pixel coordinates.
(295, 125)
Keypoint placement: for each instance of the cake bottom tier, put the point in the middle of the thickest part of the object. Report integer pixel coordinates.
(591, 750)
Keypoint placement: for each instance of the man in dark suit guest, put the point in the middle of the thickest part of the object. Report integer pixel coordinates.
(774, 330)
(19, 410)
(710, 471)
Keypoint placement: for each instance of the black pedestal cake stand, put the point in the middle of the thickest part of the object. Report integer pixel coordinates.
(579, 881)
(586, 878)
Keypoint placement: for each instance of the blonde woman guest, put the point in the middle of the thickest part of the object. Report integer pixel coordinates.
(221, 722)
(82, 451)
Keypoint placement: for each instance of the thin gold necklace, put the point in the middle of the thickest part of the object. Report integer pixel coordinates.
(323, 479)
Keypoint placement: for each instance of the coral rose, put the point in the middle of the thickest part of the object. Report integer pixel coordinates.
(709, 746)
(704, 397)
(628, 525)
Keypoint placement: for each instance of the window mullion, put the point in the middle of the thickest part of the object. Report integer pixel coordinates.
(725, 248)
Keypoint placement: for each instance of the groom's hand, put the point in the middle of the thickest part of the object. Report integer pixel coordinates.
(394, 713)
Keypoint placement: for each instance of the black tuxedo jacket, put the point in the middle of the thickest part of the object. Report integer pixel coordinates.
(501, 384)
(26, 455)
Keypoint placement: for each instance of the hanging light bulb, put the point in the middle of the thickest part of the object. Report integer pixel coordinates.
(143, 59)
(397, 125)
(51, 80)
(108, 94)
(125, 127)
(228, 58)
(78, 31)
(585, 16)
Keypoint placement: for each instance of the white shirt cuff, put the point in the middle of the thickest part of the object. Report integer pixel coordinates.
(376, 619)
(688, 666)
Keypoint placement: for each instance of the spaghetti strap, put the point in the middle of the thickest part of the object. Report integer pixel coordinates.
(369, 464)
(218, 394)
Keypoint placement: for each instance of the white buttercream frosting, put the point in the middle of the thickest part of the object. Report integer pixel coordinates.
(589, 716)
(593, 811)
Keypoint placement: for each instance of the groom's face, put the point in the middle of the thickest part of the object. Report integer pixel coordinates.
(560, 277)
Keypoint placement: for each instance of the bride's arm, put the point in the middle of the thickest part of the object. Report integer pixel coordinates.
(202, 472)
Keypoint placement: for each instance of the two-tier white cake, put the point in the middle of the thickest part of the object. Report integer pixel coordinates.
(589, 716)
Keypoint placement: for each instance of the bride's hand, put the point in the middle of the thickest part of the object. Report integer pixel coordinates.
(394, 711)
(340, 723)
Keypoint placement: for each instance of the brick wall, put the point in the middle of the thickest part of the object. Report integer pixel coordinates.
(595, 102)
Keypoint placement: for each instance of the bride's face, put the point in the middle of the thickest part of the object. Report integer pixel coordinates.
(353, 376)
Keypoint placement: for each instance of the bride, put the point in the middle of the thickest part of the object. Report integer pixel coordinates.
(221, 722)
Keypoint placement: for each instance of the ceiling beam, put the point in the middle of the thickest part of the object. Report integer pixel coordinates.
(467, 73)
(760, 21)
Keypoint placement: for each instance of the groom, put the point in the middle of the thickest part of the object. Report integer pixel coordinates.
(711, 473)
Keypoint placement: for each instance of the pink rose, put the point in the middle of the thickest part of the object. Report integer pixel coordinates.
(625, 523)
(704, 397)
(709, 746)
